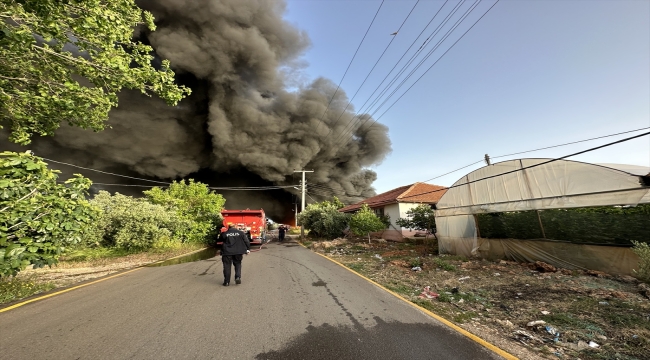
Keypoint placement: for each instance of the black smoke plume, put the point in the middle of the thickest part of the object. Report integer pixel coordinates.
(249, 121)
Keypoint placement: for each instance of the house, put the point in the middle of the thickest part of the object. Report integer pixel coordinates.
(395, 203)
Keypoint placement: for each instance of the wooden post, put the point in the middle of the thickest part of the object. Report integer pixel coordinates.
(540, 224)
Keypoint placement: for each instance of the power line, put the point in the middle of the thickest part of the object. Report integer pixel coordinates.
(535, 165)
(372, 69)
(107, 173)
(544, 148)
(570, 143)
(428, 69)
(243, 188)
(350, 64)
(359, 113)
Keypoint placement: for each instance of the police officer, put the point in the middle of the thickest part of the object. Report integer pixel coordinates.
(235, 245)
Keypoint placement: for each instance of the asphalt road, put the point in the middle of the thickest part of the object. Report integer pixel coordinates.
(293, 304)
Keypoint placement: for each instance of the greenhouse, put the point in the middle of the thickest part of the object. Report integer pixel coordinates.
(569, 214)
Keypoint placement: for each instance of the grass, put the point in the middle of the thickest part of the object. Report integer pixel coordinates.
(12, 289)
(356, 267)
(444, 264)
(307, 243)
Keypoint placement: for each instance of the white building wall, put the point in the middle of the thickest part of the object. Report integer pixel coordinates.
(393, 210)
(403, 208)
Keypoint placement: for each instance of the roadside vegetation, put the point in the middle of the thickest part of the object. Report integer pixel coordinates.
(65, 62)
(46, 222)
(567, 310)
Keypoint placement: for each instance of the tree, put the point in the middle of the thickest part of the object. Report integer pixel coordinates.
(324, 219)
(192, 201)
(38, 216)
(365, 221)
(66, 60)
(420, 218)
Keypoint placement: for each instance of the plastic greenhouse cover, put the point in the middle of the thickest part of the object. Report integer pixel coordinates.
(555, 185)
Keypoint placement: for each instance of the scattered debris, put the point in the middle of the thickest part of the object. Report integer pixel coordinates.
(461, 301)
(593, 344)
(536, 322)
(463, 278)
(603, 303)
(378, 257)
(497, 274)
(416, 268)
(544, 312)
(428, 294)
(542, 267)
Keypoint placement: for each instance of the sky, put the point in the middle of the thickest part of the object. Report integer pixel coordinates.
(529, 74)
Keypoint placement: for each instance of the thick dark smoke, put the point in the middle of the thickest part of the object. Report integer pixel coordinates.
(241, 125)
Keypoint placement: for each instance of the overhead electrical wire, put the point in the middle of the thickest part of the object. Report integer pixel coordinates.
(361, 111)
(543, 148)
(535, 165)
(350, 64)
(425, 72)
(234, 188)
(373, 68)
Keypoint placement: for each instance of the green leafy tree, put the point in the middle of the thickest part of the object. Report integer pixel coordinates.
(38, 216)
(420, 218)
(65, 61)
(323, 220)
(136, 224)
(365, 221)
(192, 201)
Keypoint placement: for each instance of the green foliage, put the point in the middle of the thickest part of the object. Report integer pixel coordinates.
(48, 46)
(323, 220)
(192, 201)
(643, 251)
(135, 224)
(614, 225)
(38, 217)
(420, 218)
(444, 265)
(365, 221)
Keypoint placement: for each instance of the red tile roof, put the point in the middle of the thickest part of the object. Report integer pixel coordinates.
(414, 193)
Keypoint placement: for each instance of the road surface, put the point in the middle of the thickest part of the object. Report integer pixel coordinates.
(293, 304)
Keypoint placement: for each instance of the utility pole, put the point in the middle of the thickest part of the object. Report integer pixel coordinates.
(303, 184)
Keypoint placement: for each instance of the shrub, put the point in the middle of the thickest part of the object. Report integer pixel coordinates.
(323, 220)
(136, 224)
(643, 251)
(38, 217)
(365, 221)
(192, 201)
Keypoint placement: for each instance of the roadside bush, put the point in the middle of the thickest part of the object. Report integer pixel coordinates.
(136, 224)
(38, 217)
(323, 220)
(643, 251)
(365, 221)
(195, 202)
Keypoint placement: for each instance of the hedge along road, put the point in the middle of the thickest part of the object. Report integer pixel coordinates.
(293, 304)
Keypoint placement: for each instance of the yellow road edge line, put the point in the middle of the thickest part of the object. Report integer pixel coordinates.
(455, 327)
(90, 283)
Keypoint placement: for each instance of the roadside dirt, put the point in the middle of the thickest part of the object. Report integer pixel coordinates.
(533, 311)
(67, 273)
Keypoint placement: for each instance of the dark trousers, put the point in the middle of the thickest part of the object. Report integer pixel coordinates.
(228, 261)
(281, 236)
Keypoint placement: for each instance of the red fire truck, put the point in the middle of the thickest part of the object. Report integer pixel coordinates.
(252, 222)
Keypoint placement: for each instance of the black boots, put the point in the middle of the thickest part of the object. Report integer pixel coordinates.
(237, 281)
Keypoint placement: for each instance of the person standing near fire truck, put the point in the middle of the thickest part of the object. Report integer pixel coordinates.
(235, 245)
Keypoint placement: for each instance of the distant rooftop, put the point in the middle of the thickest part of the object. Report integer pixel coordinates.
(414, 193)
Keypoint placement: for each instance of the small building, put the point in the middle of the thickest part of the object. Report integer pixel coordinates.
(395, 203)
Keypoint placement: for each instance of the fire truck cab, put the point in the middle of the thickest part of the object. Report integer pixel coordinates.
(251, 222)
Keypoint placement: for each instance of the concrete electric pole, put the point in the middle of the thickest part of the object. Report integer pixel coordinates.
(303, 186)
